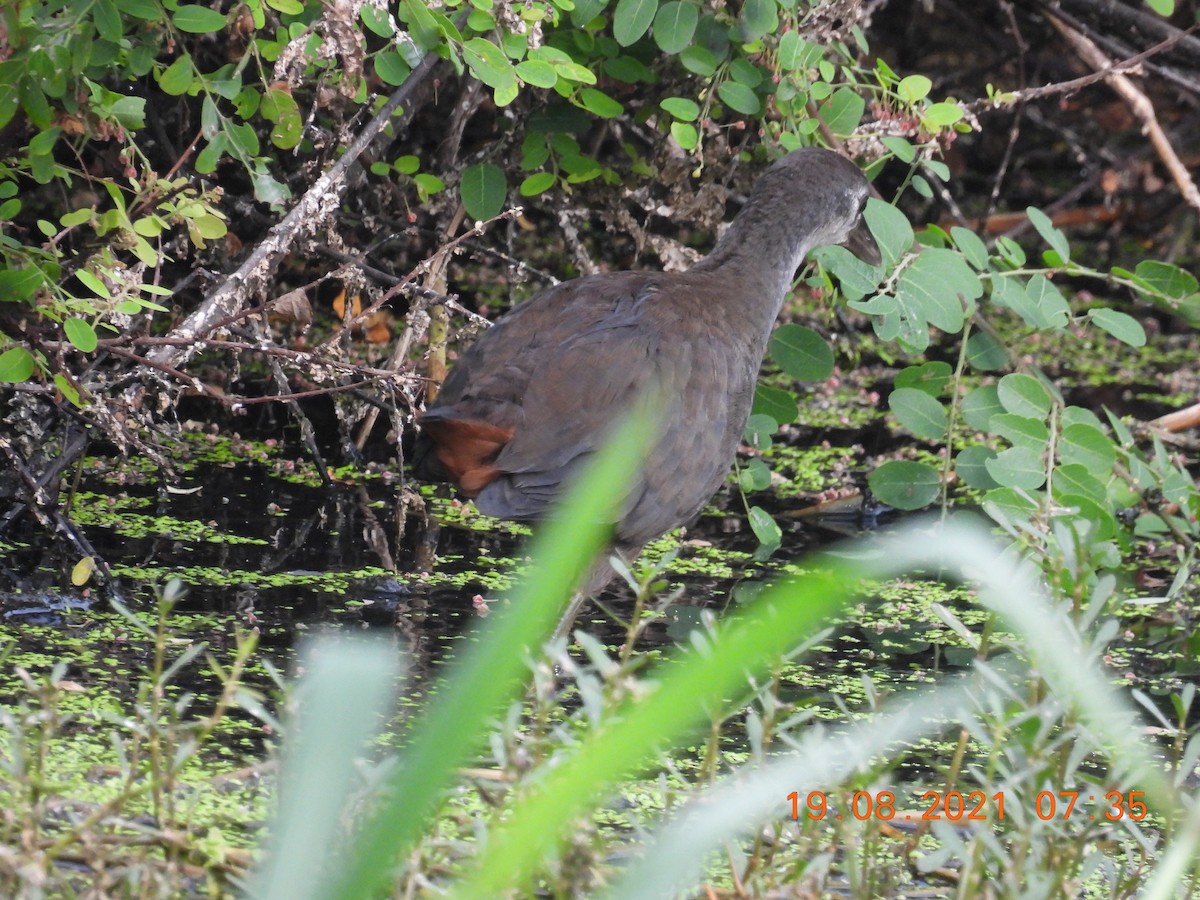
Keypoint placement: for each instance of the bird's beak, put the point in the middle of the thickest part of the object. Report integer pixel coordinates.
(862, 244)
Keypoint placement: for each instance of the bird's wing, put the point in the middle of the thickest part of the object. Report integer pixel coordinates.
(547, 397)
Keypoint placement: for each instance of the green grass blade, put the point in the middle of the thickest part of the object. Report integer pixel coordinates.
(492, 672)
(348, 688)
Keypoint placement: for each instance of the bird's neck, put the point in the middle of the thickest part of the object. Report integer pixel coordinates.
(761, 249)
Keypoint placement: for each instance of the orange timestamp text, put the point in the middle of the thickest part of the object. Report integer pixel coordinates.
(956, 806)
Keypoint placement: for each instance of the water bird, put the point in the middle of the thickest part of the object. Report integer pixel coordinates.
(537, 393)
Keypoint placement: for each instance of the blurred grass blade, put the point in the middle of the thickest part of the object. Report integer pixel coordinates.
(780, 619)
(785, 614)
(679, 855)
(493, 671)
(347, 689)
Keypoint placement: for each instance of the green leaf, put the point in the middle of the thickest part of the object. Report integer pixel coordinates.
(765, 528)
(378, 21)
(488, 63)
(81, 334)
(686, 135)
(68, 390)
(600, 104)
(280, 107)
(913, 88)
(905, 484)
(674, 25)
(795, 52)
(930, 377)
(209, 226)
(632, 18)
(1164, 8)
(755, 475)
(985, 353)
(196, 19)
(1122, 326)
(10, 100)
(538, 73)
(971, 466)
(739, 98)
(20, 284)
(699, 61)
(1051, 235)
(891, 229)
(1050, 307)
(1076, 479)
(775, 402)
(537, 183)
(920, 413)
(980, 405)
(1087, 446)
(971, 246)
(758, 431)
(16, 365)
(938, 288)
(1019, 468)
(1024, 395)
(801, 353)
(108, 21)
(843, 111)
(1165, 279)
(857, 278)
(902, 149)
(177, 77)
(629, 70)
(428, 185)
(1021, 431)
(745, 72)
(320, 769)
(572, 71)
(758, 18)
(941, 115)
(1007, 506)
(407, 164)
(94, 284)
(681, 108)
(1077, 415)
(390, 66)
(423, 25)
(483, 190)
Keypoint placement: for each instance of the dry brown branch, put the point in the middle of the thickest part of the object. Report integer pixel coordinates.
(313, 209)
(1139, 103)
(1179, 420)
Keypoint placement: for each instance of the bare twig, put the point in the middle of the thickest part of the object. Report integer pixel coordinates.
(1141, 106)
(1105, 69)
(317, 204)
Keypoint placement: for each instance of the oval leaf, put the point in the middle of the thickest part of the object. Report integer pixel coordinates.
(905, 484)
(765, 528)
(1024, 395)
(483, 190)
(1018, 467)
(921, 414)
(674, 26)
(196, 19)
(81, 334)
(16, 365)
(632, 19)
(1123, 327)
(780, 405)
(802, 353)
(739, 98)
